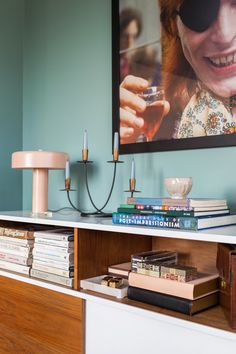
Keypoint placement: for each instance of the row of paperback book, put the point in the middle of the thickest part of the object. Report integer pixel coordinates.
(42, 254)
(186, 214)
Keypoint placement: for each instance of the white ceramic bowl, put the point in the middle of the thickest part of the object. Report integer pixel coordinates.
(178, 187)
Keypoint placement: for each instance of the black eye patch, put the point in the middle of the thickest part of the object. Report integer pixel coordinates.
(198, 15)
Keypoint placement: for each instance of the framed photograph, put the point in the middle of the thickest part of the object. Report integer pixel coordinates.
(173, 78)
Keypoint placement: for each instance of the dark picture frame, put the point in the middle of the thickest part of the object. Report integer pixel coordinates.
(156, 145)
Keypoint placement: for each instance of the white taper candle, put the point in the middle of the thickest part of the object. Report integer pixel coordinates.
(85, 146)
(67, 170)
(116, 141)
(132, 175)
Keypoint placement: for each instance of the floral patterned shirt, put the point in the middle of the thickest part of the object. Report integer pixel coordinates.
(206, 115)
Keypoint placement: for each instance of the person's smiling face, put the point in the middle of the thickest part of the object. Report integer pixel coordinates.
(212, 53)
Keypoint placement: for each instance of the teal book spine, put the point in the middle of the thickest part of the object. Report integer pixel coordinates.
(161, 221)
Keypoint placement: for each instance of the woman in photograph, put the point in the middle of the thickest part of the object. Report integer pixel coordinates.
(130, 29)
(198, 74)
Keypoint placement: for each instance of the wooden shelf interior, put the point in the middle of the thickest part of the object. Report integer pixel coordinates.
(98, 250)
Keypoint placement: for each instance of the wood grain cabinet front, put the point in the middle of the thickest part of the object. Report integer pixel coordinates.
(36, 320)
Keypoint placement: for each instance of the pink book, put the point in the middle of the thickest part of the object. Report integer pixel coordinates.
(204, 284)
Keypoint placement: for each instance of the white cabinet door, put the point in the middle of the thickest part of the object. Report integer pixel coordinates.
(112, 329)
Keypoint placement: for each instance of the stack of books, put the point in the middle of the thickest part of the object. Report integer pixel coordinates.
(16, 247)
(53, 256)
(188, 214)
(168, 287)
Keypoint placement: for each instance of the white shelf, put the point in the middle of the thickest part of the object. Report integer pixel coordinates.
(74, 220)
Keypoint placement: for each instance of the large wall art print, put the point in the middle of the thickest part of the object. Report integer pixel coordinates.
(174, 74)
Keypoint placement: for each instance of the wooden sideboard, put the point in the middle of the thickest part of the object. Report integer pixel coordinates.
(41, 317)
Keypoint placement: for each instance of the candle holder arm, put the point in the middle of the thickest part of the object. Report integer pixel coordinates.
(73, 206)
(109, 195)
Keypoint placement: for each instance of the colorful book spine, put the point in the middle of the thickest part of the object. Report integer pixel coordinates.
(146, 220)
(155, 212)
(159, 201)
(183, 223)
(156, 207)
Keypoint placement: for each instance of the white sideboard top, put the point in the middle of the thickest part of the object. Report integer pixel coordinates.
(73, 219)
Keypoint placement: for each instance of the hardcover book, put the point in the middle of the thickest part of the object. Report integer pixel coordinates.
(187, 202)
(199, 223)
(121, 269)
(172, 208)
(185, 223)
(186, 306)
(175, 213)
(146, 220)
(205, 283)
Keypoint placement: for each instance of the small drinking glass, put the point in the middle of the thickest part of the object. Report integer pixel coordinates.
(154, 110)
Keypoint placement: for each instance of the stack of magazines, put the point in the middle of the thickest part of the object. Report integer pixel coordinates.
(53, 256)
(188, 214)
(16, 247)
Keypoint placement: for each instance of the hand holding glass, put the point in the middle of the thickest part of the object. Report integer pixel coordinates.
(142, 109)
(154, 112)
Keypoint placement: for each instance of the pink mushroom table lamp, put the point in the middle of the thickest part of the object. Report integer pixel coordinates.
(40, 162)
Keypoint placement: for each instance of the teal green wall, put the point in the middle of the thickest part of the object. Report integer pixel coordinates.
(11, 27)
(68, 88)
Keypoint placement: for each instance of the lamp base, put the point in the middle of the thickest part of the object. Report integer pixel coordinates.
(47, 214)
